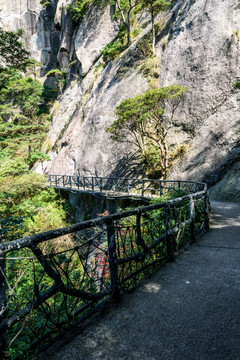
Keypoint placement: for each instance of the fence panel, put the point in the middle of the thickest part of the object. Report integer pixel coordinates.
(53, 279)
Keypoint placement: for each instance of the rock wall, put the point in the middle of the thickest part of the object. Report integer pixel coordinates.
(198, 47)
(228, 189)
(203, 54)
(87, 206)
(78, 137)
(41, 37)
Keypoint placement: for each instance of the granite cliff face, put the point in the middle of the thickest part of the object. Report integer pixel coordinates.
(41, 36)
(203, 53)
(197, 47)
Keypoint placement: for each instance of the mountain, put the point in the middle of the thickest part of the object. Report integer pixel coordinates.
(197, 46)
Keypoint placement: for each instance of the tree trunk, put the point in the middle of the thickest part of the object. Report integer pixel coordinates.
(127, 24)
(153, 33)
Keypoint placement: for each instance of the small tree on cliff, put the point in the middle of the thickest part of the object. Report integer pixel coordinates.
(142, 121)
(154, 7)
(126, 7)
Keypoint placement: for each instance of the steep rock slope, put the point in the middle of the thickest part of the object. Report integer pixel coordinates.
(203, 53)
(198, 47)
(78, 137)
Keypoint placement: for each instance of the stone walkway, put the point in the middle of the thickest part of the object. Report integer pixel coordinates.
(189, 310)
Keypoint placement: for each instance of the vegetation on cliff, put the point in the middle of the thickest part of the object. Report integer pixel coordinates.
(126, 12)
(26, 204)
(142, 122)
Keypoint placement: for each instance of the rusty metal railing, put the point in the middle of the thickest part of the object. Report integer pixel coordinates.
(52, 280)
(122, 186)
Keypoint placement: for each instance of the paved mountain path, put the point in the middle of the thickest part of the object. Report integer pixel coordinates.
(189, 309)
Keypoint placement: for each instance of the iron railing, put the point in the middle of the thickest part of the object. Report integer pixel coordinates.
(122, 186)
(52, 280)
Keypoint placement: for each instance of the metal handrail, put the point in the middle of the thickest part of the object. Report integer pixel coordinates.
(109, 255)
(120, 186)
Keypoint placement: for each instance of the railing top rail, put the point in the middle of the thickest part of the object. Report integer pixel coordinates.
(52, 234)
(127, 178)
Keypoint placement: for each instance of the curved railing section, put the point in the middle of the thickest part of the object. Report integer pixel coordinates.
(114, 186)
(52, 280)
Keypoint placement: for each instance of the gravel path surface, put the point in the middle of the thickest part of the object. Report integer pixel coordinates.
(190, 309)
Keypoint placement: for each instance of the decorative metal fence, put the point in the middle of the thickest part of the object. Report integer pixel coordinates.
(122, 186)
(52, 280)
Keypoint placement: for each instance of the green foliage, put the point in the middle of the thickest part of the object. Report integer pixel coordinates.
(133, 113)
(144, 46)
(153, 226)
(169, 195)
(236, 85)
(126, 11)
(113, 49)
(25, 201)
(60, 76)
(46, 4)
(11, 167)
(155, 6)
(151, 69)
(21, 98)
(142, 121)
(24, 93)
(32, 66)
(27, 205)
(24, 197)
(35, 156)
(12, 53)
(78, 9)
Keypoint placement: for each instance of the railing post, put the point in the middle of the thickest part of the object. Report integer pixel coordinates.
(70, 181)
(78, 182)
(84, 185)
(128, 186)
(4, 353)
(138, 228)
(56, 180)
(63, 181)
(192, 223)
(140, 240)
(179, 185)
(100, 184)
(142, 187)
(206, 211)
(92, 184)
(112, 260)
(160, 187)
(168, 237)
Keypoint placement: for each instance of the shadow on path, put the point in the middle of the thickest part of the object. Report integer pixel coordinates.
(190, 309)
